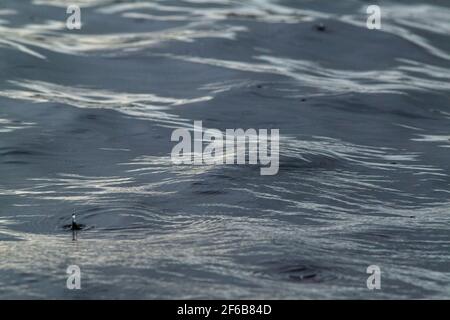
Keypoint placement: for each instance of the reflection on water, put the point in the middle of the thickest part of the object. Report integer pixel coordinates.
(85, 123)
(144, 106)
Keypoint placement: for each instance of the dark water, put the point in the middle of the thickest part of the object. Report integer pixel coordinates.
(85, 124)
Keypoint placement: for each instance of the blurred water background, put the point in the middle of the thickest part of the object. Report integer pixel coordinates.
(85, 123)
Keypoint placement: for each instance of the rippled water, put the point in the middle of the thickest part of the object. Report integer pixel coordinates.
(85, 124)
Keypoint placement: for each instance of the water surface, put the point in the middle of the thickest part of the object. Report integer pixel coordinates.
(85, 124)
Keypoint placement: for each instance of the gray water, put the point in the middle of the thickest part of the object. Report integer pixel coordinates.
(85, 123)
